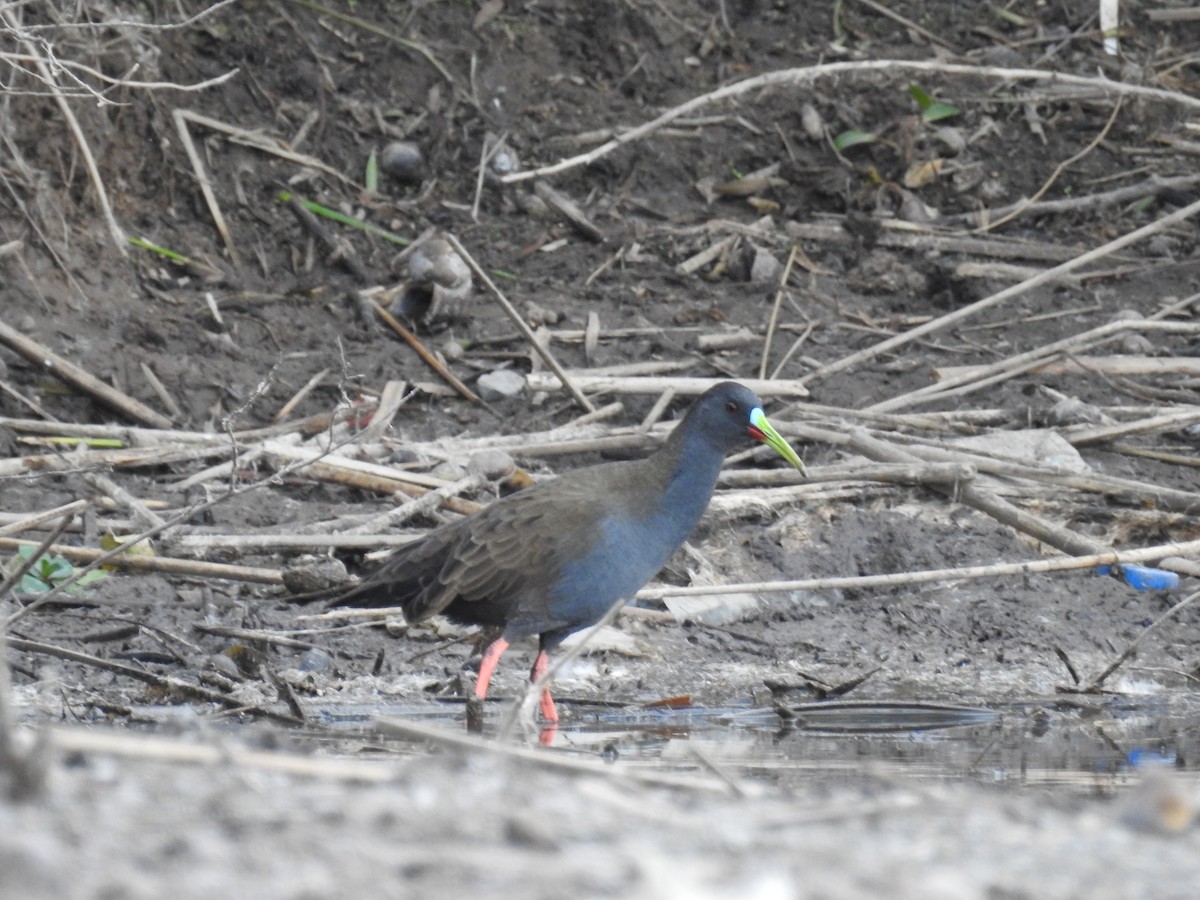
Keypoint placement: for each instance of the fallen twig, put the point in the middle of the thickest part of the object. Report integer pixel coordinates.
(430, 360)
(686, 386)
(1131, 649)
(811, 73)
(118, 559)
(976, 377)
(924, 576)
(517, 320)
(45, 359)
(164, 683)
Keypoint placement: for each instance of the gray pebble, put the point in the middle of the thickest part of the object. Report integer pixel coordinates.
(500, 385)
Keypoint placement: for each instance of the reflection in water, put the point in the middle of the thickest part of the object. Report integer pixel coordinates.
(1092, 746)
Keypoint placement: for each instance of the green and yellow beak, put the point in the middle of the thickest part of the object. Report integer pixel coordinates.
(760, 429)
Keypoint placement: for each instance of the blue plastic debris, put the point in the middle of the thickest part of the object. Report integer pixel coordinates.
(1142, 578)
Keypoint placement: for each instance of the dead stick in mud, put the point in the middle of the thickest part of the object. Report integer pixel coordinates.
(206, 189)
(81, 460)
(943, 322)
(416, 506)
(1099, 434)
(656, 384)
(46, 360)
(257, 140)
(985, 501)
(201, 544)
(982, 376)
(165, 564)
(522, 326)
(1094, 685)
(804, 75)
(779, 292)
(32, 521)
(422, 351)
(1129, 489)
(369, 476)
(165, 683)
(155, 437)
(905, 236)
(456, 740)
(157, 748)
(1152, 186)
(924, 576)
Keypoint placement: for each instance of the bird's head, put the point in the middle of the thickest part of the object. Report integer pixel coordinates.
(729, 412)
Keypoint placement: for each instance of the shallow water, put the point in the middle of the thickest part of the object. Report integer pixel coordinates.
(1089, 746)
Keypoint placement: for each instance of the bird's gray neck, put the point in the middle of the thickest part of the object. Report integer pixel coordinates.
(690, 466)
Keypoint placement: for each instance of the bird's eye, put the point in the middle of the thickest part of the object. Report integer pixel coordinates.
(731, 406)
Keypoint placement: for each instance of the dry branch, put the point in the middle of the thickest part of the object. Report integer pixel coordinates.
(811, 73)
(544, 381)
(1007, 294)
(515, 316)
(1110, 365)
(164, 564)
(924, 576)
(45, 359)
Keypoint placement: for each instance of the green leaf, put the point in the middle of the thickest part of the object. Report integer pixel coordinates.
(853, 138)
(50, 571)
(923, 99)
(371, 176)
(938, 111)
(335, 216)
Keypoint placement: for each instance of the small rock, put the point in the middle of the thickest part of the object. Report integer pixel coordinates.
(505, 161)
(314, 573)
(1073, 411)
(537, 316)
(500, 384)
(315, 660)
(533, 205)
(764, 268)
(491, 464)
(812, 123)
(224, 665)
(403, 161)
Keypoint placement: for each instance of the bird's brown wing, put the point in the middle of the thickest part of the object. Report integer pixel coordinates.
(488, 564)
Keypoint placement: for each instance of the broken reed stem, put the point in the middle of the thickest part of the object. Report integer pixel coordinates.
(656, 384)
(46, 360)
(1060, 564)
(1094, 685)
(519, 321)
(982, 376)
(164, 682)
(807, 74)
(943, 322)
(422, 351)
(783, 281)
(206, 189)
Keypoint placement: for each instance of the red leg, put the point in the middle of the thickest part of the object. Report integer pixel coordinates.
(540, 663)
(487, 665)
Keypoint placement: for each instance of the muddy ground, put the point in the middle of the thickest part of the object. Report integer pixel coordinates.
(100, 808)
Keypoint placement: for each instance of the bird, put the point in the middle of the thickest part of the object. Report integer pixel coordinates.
(552, 559)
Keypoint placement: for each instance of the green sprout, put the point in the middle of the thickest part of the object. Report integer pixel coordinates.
(931, 110)
(49, 571)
